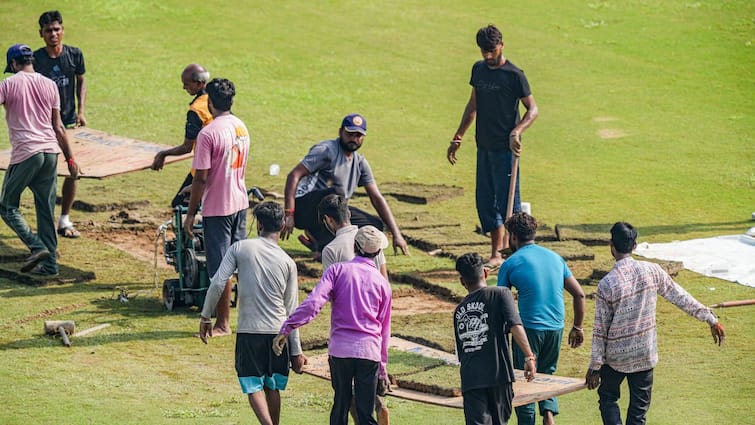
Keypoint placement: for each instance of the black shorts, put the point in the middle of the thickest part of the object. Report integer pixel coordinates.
(486, 406)
(257, 365)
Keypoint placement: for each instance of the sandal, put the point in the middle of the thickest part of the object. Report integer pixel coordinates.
(69, 232)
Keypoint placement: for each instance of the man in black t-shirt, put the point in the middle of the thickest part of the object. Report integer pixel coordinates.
(482, 322)
(65, 66)
(498, 87)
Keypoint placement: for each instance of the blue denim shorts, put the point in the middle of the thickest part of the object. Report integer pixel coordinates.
(492, 189)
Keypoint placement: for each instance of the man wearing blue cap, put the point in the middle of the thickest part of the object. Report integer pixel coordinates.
(30, 101)
(334, 166)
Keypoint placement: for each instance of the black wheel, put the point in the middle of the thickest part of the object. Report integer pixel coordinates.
(169, 295)
(189, 269)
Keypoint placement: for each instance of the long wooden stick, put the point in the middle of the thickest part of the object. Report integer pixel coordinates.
(512, 187)
(92, 329)
(733, 303)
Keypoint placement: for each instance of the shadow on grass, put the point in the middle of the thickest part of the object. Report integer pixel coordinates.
(145, 306)
(20, 288)
(12, 259)
(42, 341)
(599, 233)
(137, 308)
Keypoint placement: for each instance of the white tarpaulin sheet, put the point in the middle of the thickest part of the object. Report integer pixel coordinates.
(730, 258)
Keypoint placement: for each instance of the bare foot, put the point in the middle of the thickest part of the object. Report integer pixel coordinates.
(218, 331)
(494, 263)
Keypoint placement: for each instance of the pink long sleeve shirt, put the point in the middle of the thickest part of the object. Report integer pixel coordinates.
(360, 321)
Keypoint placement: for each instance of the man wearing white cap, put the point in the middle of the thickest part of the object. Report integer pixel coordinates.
(334, 166)
(360, 326)
(37, 136)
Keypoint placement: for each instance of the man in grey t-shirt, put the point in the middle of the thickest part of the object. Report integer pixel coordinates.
(268, 293)
(334, 166)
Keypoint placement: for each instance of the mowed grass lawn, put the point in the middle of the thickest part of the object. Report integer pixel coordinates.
(646, 116)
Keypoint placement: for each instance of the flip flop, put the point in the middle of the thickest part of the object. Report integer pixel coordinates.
(69, 232)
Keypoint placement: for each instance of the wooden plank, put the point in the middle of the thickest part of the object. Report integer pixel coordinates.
(100, 154)
(541, 388)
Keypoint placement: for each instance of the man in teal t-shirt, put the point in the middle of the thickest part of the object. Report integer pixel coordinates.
(540, 277)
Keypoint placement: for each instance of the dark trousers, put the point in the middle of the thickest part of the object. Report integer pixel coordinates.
(362, 375)
(39, 173)
(488, 406)
(307, 218)
(640, 387)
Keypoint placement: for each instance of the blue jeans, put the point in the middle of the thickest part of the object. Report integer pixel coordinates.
(40, 174)
(640, 389)
(492, 188)
(547, 346)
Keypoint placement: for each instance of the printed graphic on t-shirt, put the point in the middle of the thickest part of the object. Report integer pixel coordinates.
(472, 323)
(487, 86)
(58, 76)
(236, 159)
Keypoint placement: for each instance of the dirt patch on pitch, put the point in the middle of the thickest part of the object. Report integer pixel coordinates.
(129, 231)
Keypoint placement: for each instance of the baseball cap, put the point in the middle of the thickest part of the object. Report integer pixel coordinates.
(370, 240)
(354, 123)
(17, 51)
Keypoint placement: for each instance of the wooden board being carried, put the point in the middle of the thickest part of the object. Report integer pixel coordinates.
(101, 155)
(543, 387)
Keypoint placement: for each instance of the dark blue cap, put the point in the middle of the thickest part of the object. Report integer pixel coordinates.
(17, 51)
(354, 123)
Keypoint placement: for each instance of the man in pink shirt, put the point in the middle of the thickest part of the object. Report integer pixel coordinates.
(360, 327)
(220, 157)
(37, 136)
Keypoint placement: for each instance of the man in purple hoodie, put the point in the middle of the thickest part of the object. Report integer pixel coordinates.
(360, 327)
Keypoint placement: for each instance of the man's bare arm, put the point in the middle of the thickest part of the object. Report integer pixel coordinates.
(515, 137)
(81, 94)
(385, 213)
(467, 118)
(292, 181)
(576, 334)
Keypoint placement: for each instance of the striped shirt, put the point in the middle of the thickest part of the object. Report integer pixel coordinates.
(624, 332)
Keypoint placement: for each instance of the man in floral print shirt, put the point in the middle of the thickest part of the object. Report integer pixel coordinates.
(624, 341)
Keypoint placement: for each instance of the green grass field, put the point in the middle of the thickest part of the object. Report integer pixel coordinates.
(646, 116)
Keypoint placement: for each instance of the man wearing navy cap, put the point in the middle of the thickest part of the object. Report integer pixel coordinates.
(334, 166)
(30, 100)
